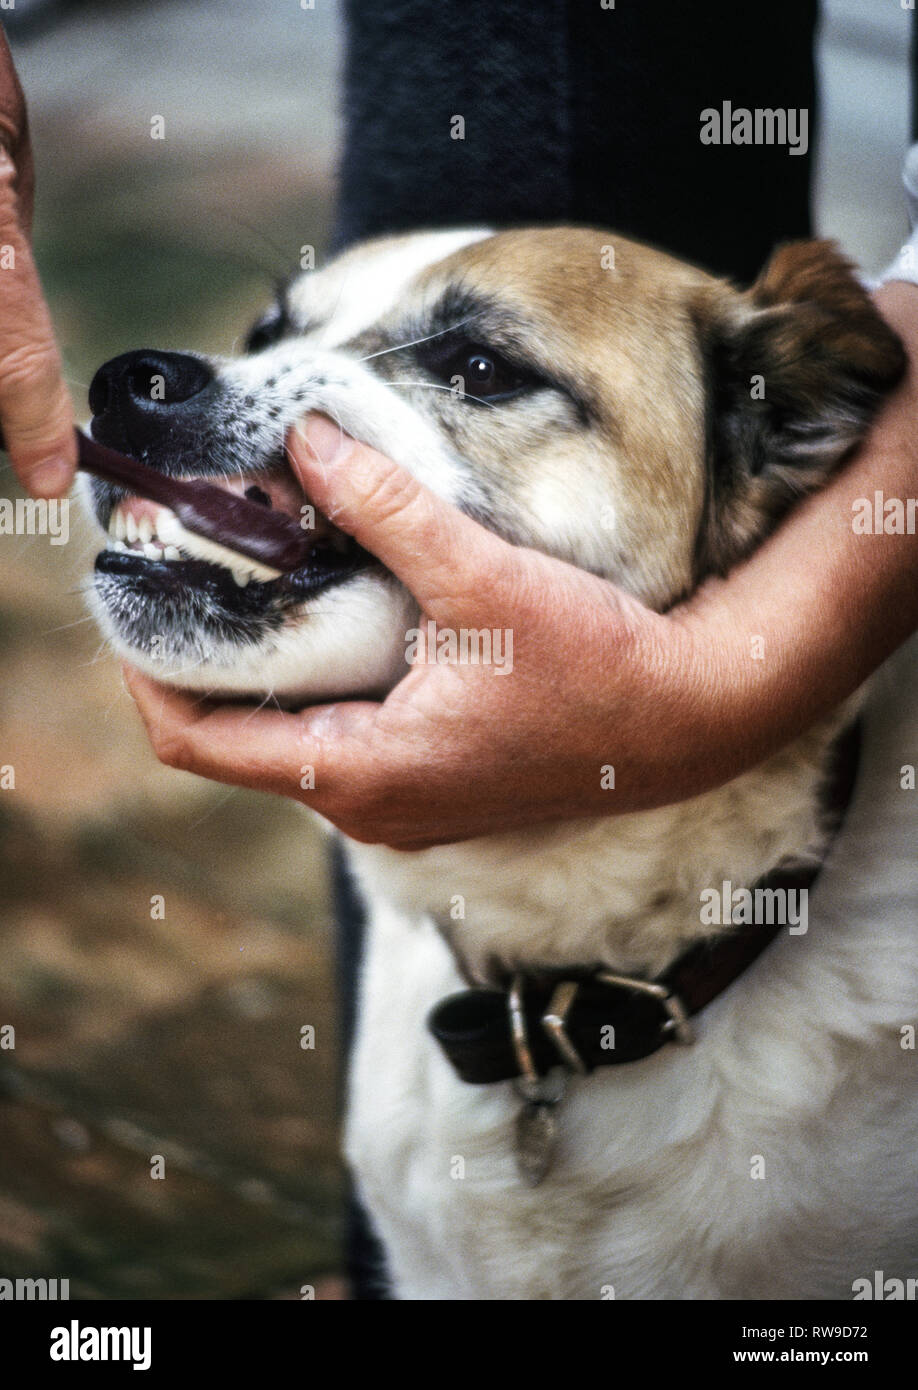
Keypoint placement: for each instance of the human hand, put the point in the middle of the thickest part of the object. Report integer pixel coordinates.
(443, 755)
(35, 411)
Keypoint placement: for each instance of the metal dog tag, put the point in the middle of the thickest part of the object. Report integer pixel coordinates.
(536, 1132)
(536, 1123)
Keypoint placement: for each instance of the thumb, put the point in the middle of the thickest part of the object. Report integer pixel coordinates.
(437, 552)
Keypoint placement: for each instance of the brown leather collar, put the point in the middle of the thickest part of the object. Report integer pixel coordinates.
(588, 1016)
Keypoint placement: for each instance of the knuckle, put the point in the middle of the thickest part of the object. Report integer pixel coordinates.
(510, 581)
(12, 115)
(391, 493)
(32, 366)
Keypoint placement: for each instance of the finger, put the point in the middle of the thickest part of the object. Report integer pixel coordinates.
(14, 134)
(35, 410)
(440, 554)
(311, 755)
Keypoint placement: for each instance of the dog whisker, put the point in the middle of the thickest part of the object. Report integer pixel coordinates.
(48, 632)
(436, 386)
(415, 342)
(105, 645)
(211, 810)
(258, 707)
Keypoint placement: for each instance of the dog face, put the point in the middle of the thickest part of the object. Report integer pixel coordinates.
(589, 397)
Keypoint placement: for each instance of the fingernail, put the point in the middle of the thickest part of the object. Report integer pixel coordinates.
(50, 478)
(326, 440)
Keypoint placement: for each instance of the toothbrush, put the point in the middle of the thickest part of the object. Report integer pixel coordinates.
(231, 525)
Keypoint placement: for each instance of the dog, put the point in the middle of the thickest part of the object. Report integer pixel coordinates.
(596, 399)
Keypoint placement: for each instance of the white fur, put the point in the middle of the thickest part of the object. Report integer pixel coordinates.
(356, 291)
(343, 645)
(799, 1063)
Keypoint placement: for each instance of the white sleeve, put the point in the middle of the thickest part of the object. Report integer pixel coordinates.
(868, 886)
(904, 266)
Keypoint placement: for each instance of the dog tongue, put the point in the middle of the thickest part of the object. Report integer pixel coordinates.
(279, 491)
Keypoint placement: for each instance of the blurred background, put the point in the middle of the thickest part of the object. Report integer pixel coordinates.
(179, 1036)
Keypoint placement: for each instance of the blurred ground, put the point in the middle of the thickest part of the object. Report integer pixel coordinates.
(180, 1036)
(137, 1036)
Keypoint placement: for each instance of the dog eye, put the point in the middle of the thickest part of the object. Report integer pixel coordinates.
(267, 330)
(476, 372)
(485, 376)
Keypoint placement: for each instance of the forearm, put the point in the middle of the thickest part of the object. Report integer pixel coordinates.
(819, 606)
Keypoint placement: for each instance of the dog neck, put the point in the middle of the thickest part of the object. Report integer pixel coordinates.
(623, 893)
(503, 1028)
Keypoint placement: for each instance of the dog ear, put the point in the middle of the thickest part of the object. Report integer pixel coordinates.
(796, 368)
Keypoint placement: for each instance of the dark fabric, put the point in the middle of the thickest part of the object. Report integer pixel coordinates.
(412, 65)
(575, 113)
(913, 76)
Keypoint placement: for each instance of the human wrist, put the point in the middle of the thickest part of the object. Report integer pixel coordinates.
(723, 695)
(897, 301)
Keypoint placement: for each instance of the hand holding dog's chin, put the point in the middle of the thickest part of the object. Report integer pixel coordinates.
(457, 751)
(675, 704)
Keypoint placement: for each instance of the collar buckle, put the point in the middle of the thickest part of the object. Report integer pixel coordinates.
(555, 1019)
(677, 1019)
(554, 1022)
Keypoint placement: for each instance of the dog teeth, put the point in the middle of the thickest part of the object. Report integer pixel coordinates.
(169, 528)
(171, 532)
(161, 536)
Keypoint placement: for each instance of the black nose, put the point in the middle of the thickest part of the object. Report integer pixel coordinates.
(139, 398)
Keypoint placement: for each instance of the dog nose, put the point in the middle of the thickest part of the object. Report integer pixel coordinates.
(135, 398)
